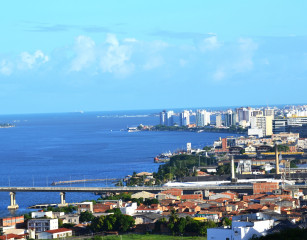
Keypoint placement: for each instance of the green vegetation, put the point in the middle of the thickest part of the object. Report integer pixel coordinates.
(114, 222)
(224, 169)
(181, 166)
(68, 209)
(145, 237)
(170, 128)
(126, 197)
(86, 216)
(286, 234)
(281, 148)
(189, 226)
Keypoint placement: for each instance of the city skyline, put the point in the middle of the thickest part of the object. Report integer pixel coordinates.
(75, 56)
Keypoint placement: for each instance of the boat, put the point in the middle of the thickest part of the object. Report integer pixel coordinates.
(163, 157)
(133, 129)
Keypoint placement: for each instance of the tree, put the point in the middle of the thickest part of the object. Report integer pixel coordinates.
(86, 216)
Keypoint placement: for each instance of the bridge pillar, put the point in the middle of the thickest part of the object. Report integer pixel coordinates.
(13, 205)
(62, 194)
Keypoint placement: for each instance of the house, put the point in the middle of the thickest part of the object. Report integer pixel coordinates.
(55, 234)
(12, 237)
(192, 197)
(42, 214)
(41, 224)
(173, 191)
(70, 218)
(11, 221)
(143, 194)
(243, 227)
(145, 218)
(129, 208)
(154, 208)
(85, 206)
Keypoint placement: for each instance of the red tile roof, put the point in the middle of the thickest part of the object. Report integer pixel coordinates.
(59, 230)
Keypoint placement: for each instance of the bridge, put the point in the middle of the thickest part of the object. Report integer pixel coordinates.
(62, 190)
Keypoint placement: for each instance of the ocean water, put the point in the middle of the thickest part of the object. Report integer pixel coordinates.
(44, 148)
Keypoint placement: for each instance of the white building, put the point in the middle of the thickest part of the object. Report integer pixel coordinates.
(185, 118)
(218, 121)
(202, 118)
(61, 233)
(129, 208)
(42, 225)
(85, 206)
(263, 122)
(243, 227)
(169, 118)
(41, 214)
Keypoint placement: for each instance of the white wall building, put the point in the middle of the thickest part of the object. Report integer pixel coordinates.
(185, 118)
(42, 225)
(243, 227)
(42, 214)
(129, 208)
(202, 118)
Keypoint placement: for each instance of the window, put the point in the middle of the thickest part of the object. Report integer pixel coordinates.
(227, 239)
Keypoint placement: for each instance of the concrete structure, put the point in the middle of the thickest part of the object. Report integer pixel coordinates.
(61, 233)
(129, 208)
(202, 118)
(162, 117)
(185, 118)
(218, 121)
(85, 206)
(243, 227)
(41, 214)
(230, 118)
(264, 187)
(276, 160)
(169, 118)
(264, 123)
(42, 225)
(11, 221)
(13, 205)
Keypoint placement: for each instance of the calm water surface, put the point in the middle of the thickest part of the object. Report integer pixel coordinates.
(44, 148)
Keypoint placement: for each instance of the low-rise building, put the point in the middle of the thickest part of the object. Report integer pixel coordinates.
(243, 227)
(85, 206)
(61, 233)
(42, 225)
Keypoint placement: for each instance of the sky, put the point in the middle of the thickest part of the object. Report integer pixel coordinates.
(66, 56)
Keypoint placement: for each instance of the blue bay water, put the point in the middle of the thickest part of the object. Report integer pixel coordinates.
(44, 148)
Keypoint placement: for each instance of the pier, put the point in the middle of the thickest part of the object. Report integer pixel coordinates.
(83, 181)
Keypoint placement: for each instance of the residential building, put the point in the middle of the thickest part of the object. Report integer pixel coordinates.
(243, 227)
(11, 221)
(162, 117)
(169, 118)
(202, 118)
(43, 224)
(61, 233)
(264, 123)
(185, 118)
(85, 206)
(218, 121)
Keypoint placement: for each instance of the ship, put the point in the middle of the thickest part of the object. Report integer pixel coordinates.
(163, 157)
(133, 129)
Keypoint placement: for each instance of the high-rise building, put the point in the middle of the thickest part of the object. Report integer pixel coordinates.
(218, 122)
(280, 125)
(230, 118)
(169, 119)
(269, 112)
(162, 117)
(202, 118)
(185, 118)
(263, 122)
(243, 114)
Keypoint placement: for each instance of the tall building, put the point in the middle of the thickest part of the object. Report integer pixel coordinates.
(230, 118)
(280, 125)
(185, 118)
(202, 118)
(218, 122)
(169, 119)
(268, 112)
(162, 117)
(265, 123)
(244, 114)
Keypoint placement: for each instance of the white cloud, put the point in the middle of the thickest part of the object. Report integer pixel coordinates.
(116, 57)
(209, 44)
(28, 60)
(236, 59)
(85, 53)
(153, 62)
(6, 67)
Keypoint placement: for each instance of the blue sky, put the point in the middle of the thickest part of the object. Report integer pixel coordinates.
(63, 56)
